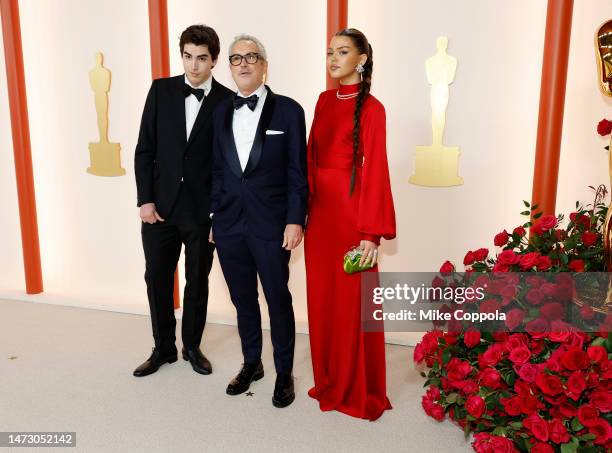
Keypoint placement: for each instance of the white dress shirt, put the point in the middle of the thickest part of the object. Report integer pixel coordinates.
(245, 123)
(192, 105)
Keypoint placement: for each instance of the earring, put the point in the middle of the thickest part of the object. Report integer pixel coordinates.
(360, 68)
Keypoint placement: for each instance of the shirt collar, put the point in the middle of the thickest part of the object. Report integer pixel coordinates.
(206, 85)
(259, 91)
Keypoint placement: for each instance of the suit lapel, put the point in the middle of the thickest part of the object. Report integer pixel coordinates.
(178, 107)
(205, 111)
(231, 154)
(260, 134)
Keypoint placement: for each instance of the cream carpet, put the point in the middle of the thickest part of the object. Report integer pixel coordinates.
(70, 369)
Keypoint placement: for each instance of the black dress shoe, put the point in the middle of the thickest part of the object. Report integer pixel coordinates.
(152, 364)
(284, 392)
(199, 363)
(248, 373)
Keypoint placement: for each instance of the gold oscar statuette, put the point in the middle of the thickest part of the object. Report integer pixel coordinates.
(437, 165)
(105, 157)
(603, 54)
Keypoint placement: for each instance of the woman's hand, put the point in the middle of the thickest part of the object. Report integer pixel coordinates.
(370, 252)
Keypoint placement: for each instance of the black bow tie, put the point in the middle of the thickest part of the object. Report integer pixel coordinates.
(251, 101)
(197, 92)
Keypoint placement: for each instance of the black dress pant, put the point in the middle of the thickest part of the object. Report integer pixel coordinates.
(243, 257)
(162, 243)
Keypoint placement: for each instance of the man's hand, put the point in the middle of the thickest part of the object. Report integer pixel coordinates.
(293, 236)
(370, 252)
(149, 214)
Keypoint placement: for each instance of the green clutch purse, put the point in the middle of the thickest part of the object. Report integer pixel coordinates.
(351, 261)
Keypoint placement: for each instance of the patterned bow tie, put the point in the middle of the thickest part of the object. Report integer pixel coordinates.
(197, 92)
(251, 102)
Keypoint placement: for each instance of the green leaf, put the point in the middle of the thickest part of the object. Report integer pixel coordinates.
(608, 343)
(526, 203)
(538, 215)
(446, 356)
(569, 447)
(525, 213)
(587, 437)
(576, 425)
(516, 425)
(452, 398)
(499, 431)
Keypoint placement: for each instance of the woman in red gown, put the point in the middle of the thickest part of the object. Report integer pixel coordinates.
(350, 204)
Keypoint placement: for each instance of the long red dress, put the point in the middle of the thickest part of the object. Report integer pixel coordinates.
(348, 364)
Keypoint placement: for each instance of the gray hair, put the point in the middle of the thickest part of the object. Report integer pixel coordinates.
(245, 37)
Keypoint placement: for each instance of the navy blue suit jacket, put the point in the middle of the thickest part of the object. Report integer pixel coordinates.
(272, 191)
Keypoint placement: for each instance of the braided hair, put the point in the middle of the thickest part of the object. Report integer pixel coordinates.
(363, 47)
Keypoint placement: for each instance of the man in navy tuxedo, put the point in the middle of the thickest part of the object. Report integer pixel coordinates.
(259, 197)
(173, 166)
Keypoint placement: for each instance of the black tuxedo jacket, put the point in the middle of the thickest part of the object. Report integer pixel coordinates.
(164, 158)
(272, 191)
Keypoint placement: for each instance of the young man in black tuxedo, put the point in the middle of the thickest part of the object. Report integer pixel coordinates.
(259, 199)
(173, 164)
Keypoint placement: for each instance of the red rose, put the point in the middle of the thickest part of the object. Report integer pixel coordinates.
(458, 369)
(581, 219)
(534, 296)
(475, 406)
(491, 356)
(537, 229)
(499, 267)
(481, 254)
(547, 222)
(574, 359)
(597, 354)
(527, 403)
(520, 355)
(520, 231)
(434, 410)
(544, 263)
(468, 259)
(508, 258)
(471, 338)
(514, 318)
(576, 384)
(501, 238)
(602, 431)
(529, 260)
(552, 311)
(486, 443)
(538, 328)
(567, 410)
(490, 377)
(528, 372)
(589, 238)
(602, 400)
(549, 383)
(537, 426)
(541, 447)
(447, 267)
(576, 265)
(588, 415)
(489, 306)
(558, 432)
(604, 127)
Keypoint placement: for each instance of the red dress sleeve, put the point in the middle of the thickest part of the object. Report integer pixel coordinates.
(311, 152)
(376, 217)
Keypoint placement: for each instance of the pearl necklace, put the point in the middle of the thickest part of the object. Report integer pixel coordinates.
(346, 96)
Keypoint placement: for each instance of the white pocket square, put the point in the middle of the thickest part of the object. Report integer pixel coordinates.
(272, 132)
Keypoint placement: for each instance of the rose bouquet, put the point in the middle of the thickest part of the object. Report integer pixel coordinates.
(549, 387)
